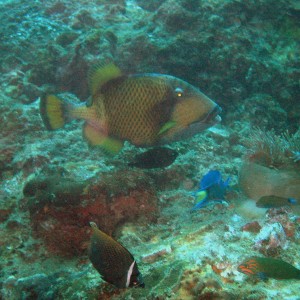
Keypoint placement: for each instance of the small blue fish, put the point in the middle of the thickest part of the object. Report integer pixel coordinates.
(292, 201)
(212, 189)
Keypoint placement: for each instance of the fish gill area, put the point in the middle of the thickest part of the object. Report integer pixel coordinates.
(242, 54)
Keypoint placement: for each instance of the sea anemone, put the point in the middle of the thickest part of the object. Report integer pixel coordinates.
(272, 166)
(273, 151)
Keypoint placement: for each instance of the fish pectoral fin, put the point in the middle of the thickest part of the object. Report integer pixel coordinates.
(101, 74)
(262, 276)
(95, 137)
(166, 127)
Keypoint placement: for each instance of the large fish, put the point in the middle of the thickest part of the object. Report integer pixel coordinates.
(115, 263)
(144, 109)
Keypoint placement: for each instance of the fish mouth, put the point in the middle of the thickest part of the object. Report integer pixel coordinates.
(213, 116)
(210, 119)
(199, 125)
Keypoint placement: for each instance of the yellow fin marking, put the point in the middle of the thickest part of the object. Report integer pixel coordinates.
(96, 138)
(52, 112)
(101, 74)
(201, 195)
(166, 127)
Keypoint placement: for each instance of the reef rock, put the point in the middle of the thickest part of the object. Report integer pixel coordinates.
(61, 209)
(257, 181)
(271, 240)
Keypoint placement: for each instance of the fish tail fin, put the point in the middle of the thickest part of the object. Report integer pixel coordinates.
(55, 111)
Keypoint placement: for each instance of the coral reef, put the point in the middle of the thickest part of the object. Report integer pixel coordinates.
(273, 151)
(61, 208)
(243, 54)
(213, 37)
(270, 167)
(252, 227)
(271, 240)
(35, 286)
(285, 217)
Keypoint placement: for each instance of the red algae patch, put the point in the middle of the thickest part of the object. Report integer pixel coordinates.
(64, 225)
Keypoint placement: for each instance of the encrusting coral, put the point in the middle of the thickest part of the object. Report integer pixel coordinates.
(61, 208)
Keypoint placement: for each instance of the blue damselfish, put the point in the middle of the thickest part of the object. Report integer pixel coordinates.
(212, 189)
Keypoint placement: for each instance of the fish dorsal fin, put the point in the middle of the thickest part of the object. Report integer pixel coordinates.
(102, 73)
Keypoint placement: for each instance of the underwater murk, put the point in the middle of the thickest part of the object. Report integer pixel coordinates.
(149, 149)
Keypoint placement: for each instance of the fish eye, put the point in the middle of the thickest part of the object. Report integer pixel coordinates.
(179, 92)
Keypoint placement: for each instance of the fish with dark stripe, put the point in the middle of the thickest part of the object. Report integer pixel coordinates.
(113, 261)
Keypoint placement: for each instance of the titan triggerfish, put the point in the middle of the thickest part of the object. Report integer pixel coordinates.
(144, 109)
